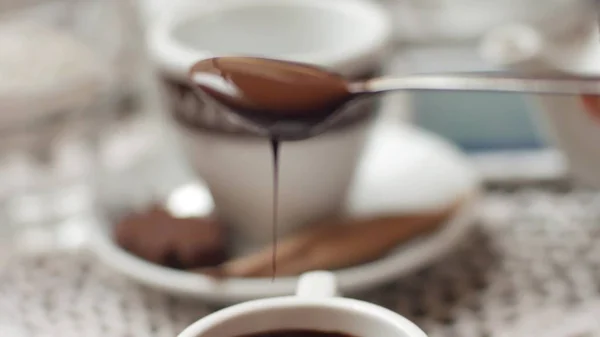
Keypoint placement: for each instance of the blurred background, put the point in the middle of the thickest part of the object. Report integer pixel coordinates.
(86, 98)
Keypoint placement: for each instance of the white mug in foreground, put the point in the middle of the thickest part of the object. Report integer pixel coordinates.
(315, 307)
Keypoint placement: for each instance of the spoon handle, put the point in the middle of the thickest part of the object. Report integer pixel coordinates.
(487, 81)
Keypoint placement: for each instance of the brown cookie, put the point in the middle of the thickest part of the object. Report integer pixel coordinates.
(182, 243)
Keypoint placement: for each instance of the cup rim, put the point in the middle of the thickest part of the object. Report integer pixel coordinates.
(174, 58)
(197, 328)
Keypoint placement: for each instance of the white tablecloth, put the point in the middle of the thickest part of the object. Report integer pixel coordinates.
(532, 269)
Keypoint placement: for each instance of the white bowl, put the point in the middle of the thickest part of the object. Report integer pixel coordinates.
(405, 170)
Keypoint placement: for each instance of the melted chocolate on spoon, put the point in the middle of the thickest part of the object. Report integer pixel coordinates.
(271, 92)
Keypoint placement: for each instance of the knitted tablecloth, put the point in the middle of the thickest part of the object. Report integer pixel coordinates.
(531, 269)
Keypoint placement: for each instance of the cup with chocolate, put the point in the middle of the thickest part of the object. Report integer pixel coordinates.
(315, 311)
(350, 37)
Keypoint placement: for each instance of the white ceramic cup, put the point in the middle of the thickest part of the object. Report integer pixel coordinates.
(315, 307)
(571, 125)
(348, 36)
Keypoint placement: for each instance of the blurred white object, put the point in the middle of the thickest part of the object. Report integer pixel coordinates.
(514, 46)
(521, 47)
(67, 75)
(152, 9)
(9, 330)
(77, 111)
(426, 20)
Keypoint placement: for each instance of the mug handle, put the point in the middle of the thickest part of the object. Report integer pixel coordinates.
(317, 284)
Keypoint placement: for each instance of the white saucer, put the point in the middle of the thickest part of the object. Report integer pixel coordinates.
(404, 169)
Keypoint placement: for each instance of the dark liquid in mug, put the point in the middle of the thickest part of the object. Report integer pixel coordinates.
(270, 92)
(297, 333)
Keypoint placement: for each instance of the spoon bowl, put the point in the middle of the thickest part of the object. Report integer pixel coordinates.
(280, 99)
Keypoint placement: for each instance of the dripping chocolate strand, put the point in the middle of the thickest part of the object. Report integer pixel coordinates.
(275, 144)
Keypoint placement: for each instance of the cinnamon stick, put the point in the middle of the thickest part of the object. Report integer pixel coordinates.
(335, 244)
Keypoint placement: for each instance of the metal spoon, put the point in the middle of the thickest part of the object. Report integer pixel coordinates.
(556, 84)
(236, 79)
